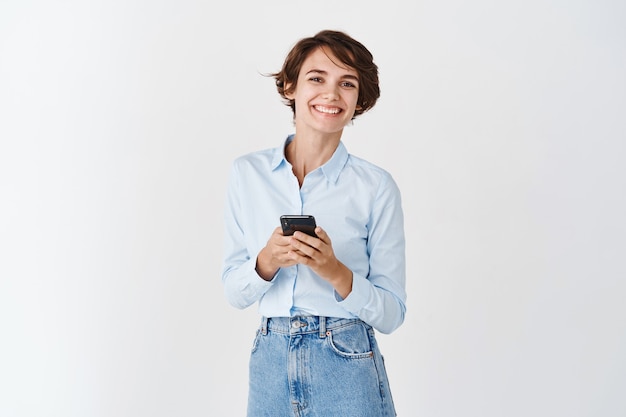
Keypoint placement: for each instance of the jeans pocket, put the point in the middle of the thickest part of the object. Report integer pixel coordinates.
(351, 341)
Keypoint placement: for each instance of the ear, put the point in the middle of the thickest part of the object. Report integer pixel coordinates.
(290, 95)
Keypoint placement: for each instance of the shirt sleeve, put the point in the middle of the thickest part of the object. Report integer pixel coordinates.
(242, 284)
(379, 299)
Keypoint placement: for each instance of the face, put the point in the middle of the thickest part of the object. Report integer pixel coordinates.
(326, 93)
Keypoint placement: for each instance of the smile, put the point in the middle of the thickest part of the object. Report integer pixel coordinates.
(327, 110)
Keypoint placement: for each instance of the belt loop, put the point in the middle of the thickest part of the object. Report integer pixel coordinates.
(264, 326)
(322, 327)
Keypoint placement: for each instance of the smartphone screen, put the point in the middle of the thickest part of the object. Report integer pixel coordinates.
(303, 223)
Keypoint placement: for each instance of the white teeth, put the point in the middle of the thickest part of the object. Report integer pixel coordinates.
(327, 110)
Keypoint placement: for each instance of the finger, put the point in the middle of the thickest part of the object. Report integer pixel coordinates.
(303, 247)
(322, 235)
(277, 231)
(299, 257)
(278, 239)
(279, 236)
(308, 240)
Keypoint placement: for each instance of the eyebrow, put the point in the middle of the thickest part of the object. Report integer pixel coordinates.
(345, 76)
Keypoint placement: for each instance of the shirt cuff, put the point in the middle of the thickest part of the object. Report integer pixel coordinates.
(257, 284)
(358, 297)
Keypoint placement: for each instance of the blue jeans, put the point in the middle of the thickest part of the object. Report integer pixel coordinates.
(317, 367)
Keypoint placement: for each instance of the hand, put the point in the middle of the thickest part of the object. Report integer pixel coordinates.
(274, 255)
(318, 254)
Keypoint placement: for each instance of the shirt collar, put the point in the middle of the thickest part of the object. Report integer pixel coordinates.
(331, 169)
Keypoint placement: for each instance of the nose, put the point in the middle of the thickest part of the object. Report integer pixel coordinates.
(331, 93)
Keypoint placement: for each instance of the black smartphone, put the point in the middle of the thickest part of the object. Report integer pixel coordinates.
(303, 223)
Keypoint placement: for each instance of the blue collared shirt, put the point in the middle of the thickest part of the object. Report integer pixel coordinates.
(357, 203)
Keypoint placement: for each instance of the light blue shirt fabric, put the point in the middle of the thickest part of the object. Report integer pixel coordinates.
(357, 203)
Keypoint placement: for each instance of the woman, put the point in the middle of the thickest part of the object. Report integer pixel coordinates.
(315, 352)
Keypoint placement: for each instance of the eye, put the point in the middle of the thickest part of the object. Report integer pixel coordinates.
(348, 84)
(315, 79)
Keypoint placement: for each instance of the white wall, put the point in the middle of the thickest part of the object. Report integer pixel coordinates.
(504, 124)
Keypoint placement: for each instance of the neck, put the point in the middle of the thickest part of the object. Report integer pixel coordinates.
(306, 153)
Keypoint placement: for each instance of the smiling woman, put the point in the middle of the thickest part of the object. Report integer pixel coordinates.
(324, 101)
(320, 300)
(350, 56)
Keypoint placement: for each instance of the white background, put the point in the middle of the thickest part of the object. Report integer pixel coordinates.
(503, 122)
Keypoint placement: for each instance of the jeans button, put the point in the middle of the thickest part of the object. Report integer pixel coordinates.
(296, 324)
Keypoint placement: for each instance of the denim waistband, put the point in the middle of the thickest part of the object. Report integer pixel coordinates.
(305, 324)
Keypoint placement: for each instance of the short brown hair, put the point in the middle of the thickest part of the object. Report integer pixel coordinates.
(348, 50)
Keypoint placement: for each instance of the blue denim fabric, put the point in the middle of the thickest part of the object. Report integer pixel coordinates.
(317, 367)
